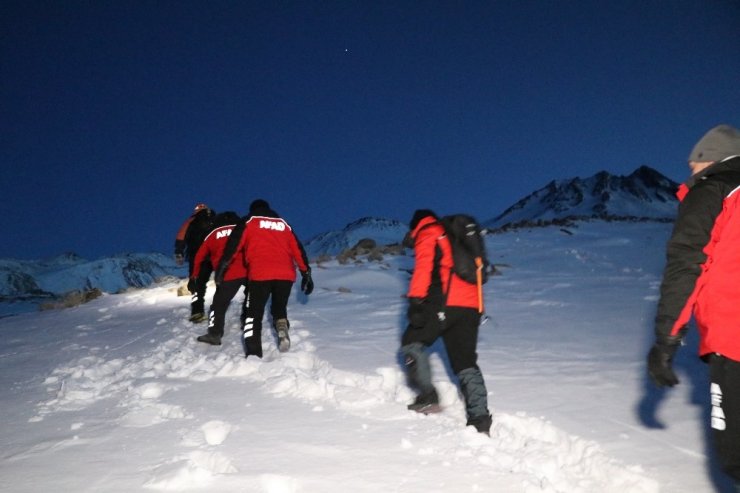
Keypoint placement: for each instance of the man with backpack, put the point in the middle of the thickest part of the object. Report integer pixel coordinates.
(189, 238)
(442, 304)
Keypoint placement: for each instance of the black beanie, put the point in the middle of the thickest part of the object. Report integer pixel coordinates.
(420, 214)
(258, 204)
(719, 143)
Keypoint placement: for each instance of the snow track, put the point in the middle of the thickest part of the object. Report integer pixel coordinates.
(542, 457)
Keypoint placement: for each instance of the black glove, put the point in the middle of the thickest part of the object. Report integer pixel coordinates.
(660, 363)
(179, 259)
(306, 282)
(191, 285)
(417, 312)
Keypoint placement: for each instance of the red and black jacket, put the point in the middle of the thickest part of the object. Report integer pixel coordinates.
(433, 278)
(702, 273)
(212, 249)
(270, 249)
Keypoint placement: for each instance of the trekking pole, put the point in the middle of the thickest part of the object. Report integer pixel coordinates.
(479, 282)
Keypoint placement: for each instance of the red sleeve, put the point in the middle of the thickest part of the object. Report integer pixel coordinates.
(424, 249)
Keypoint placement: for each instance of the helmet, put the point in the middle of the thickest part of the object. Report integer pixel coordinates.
(200, 207)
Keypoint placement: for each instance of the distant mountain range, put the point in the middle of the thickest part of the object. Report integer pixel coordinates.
(383, 231)
(50, 278)
(643, 195)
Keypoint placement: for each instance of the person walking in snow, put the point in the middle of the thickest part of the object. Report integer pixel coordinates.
(271, 251)
(209, 255)
(189, 238)
(701, 277)
(441, 305)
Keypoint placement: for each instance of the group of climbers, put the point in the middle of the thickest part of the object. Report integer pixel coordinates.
(258, 252)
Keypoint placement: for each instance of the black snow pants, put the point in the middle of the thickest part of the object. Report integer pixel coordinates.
(278, 291)
(725, 418)
(225, 292)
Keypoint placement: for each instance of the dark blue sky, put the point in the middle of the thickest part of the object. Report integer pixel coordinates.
(117, 117)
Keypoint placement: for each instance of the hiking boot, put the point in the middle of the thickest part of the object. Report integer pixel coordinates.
(281, 326)
(198, 317)
(211, 339)
(481, 423)
(426, 403)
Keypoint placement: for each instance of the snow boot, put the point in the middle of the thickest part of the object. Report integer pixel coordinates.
(198, 317)
(426, 403)
(476, 399)
(211, 339)
(481, 423)
(281, 327)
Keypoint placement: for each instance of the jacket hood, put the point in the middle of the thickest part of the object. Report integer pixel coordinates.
(425, 221)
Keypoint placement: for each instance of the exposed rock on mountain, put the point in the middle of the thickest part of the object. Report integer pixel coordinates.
(383, 231)
(643, 195)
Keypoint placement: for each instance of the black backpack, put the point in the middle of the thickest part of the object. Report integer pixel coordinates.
(468, 249)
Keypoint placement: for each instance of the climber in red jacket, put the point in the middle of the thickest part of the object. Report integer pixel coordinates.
(271, 252)
(442, 305)
(701, 278)
(209, 255)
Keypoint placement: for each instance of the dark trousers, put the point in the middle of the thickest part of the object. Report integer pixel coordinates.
(225, 292)
(458, 328)
(198, 298)
(257, 296)
(725, 421)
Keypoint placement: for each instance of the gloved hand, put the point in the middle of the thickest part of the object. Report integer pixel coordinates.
(191, 285)
(179, 259)
(660, 363)
(416, 312)
(306, 282)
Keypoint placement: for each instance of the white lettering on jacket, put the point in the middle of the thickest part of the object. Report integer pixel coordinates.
(222, 233)
(275, 225)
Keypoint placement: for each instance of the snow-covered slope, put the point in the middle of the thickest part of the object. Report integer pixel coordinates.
(117, 396)
(383, 231)
(643, 194)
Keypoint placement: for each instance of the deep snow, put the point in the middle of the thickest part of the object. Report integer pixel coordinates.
(116, 395)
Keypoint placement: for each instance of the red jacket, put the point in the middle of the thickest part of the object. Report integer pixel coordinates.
(702, 274)
(270, 250)
(211, 251)
(433, 277)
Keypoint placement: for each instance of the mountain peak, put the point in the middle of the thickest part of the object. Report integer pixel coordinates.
(645, 194)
